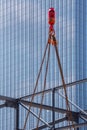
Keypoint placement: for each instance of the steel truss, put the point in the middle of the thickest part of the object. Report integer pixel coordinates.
(14, 103)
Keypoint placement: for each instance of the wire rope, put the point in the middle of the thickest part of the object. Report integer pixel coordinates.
(35, 86)
(44, 86)
(64, 86)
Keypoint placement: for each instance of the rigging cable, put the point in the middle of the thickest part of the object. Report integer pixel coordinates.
(69, 114)
(44, 86)
(51, 40)
(35, 86)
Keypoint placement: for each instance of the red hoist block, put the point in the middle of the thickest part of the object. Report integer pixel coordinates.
(51, 17)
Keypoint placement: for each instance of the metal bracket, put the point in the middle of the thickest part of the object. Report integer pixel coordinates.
(75, 117)
(11, 104)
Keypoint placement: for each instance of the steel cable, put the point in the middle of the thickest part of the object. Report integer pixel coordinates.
(35, 86)
(44, 85)
(64, 86)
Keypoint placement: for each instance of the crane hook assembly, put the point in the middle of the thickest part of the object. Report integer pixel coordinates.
(51, 40)
(51, 22)
(51, 17)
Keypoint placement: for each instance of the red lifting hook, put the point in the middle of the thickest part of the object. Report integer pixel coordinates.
(51, 18)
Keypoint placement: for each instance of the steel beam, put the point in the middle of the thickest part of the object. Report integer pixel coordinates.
(2, 105)
(76, 106)
(35, 115)
(5, 98)
(46, 107)
(9, 102)
(51, 123)
(83, 118)
(82, 114)
(56, 88)
(17, 116)
(75, 125)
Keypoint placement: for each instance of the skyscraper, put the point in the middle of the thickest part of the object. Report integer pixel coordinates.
(23, 36)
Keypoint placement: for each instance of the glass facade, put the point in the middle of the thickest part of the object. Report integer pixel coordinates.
(23, 37)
